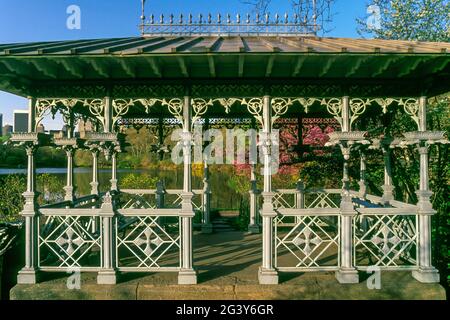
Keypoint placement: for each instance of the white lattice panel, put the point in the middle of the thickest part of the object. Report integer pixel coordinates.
(68, 242)
(149, 243)
(385, 240)
(309, 244)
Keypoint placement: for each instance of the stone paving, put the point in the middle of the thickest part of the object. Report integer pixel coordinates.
(227, 264)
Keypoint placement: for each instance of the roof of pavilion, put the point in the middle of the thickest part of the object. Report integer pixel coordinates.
(32, 68)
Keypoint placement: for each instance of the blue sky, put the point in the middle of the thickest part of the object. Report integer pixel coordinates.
(31, 20)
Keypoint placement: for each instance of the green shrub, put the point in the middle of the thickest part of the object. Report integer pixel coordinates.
(138, 181)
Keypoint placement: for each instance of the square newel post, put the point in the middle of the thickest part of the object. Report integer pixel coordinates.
(267, 273)
(206, 200)
(107, 273)
(29, 273)
(426, 272)
(187, 274)
(254, 225)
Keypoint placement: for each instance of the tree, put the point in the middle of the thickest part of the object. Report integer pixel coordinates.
(315, 14)
(419, 20)
(422, 20)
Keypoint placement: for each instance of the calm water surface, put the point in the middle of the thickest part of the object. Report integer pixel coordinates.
(222, 195)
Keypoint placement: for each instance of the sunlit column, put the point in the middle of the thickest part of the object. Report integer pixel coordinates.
(187, 274)
(426, 272)
(95, 183)
(267, 273)
(347, 272)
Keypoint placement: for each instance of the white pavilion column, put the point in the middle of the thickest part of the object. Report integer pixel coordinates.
(267, 273)
(114, 180)
(69, 189)
(206, 200)
(187, 274)
(426, 272)
(388, 186)
(29, 273)
(254, 225)
(347, 272)
(95, 184)
(362, 176)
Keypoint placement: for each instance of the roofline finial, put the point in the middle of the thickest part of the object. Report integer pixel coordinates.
(143, 16)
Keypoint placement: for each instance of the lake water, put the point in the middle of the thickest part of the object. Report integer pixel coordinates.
(222, 195)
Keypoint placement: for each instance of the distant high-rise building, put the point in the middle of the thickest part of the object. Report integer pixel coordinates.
(20, 120)
(1, 124)
(7, 130)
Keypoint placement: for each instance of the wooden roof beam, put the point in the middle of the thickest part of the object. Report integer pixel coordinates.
(187, 44)
(212, 66)
(269, 45)
(132, 44)
(156, 68)
(47, 68)
(386, 65)
(97, 46)
(356, 68)
(241, 64)
(326, 68)
(69, 45)
(128, 66)
(101, 68)
(183, 67)
(159, 45)
(270, 64)
(299, 65)
(411, 67)
(73, 67)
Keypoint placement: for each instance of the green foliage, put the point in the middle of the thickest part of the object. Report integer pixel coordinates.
(423, 20)
(138, 181)
(50, 187)
(11, 200)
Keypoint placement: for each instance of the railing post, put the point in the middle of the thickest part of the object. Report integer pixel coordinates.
(426, 272)
(267, 273)
(206, 200)
(160, 192)
(300, 195)
(29, 273)
(254, 225)
(347, 272)
(187, 274)
(107, 273)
